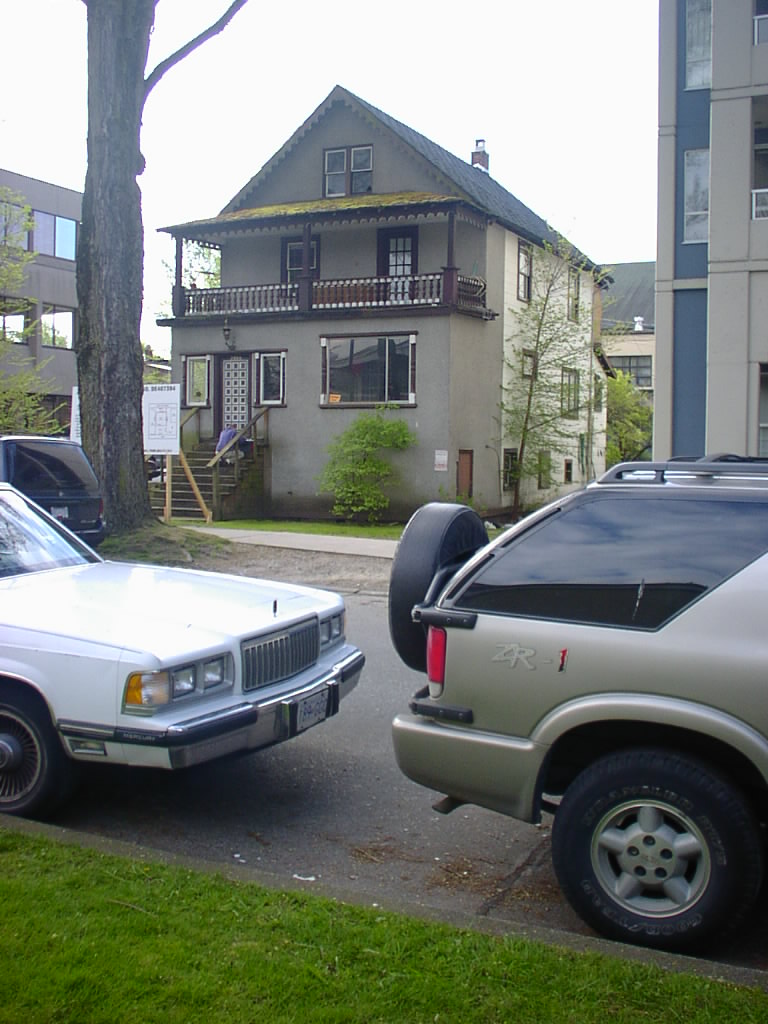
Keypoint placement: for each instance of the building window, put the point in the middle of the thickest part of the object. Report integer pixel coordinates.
(760, 154)
(544, 472)
(197, 380)
(696, 189)
(54, 236)
(639, 368)
(510, 469)
(524, 270)
(761, 22)
(13, 320)
(397, 258)
(762, 450)
(293, 257)
(698, 44)
(269, 376)
(58, 327)
(14, 225)
(568, 471)
(597, 397)
(569, 391)
(529, 364)
(349, 171)
(574, 285)
(369, 370)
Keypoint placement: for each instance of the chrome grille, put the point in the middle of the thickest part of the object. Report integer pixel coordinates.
(280, 655)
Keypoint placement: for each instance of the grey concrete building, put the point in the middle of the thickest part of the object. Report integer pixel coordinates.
(711, 383)
(364, 264)
(42, 320)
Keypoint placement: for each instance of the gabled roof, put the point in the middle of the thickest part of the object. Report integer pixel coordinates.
(455, 176)
(630, 294)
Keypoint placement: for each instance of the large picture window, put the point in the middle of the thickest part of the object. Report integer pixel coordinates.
(54, 236)
(369, 370)
(58, 327)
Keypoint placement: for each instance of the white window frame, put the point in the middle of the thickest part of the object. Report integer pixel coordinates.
(328, 398)
(259, 359)
(189, 376)
(695, 213)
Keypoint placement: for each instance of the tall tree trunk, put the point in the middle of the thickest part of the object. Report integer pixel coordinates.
(111, 257)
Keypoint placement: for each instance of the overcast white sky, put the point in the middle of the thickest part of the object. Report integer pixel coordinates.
(563, 92)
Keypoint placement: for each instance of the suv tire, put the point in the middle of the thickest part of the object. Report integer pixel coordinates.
(656, 848)
(35, 773)
(437, 540)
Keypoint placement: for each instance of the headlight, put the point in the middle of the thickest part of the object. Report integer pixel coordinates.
(147, 690)
(184, 680)
(331, 629)
(214, 672)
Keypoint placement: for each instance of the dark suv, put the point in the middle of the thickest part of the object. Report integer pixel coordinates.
(604, 660)
(57, 475)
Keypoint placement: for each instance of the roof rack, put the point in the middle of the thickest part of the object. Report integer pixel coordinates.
(678, 470)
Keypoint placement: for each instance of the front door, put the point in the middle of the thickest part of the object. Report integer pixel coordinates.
(464, 473)
(235, 406)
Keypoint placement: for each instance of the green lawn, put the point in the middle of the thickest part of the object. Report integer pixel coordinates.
(88, 937)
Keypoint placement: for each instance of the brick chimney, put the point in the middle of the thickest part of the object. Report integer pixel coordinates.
(480, 156)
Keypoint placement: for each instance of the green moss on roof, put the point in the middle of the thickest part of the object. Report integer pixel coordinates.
(315, 206)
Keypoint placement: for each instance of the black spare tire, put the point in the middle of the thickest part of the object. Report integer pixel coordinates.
(438, 537)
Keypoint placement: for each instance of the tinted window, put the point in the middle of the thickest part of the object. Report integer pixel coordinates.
(39, 468)
(621, 562)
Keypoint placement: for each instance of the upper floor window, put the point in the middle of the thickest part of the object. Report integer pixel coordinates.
(369, 369)
(574, 287)
(639, 368)
(696, 199)
(54, 235)
(524, 270)
(58, 326)
(293, 259)
(14, 225)
(348, 171)
(511, 469)
(569, 391)
(529, 363)
(13, 321)
(698, 44)
(761, 22)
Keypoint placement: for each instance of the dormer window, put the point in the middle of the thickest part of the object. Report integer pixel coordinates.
(349, 171)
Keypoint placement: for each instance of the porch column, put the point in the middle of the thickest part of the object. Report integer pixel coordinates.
(450, 271)
(305, 277)
(178, 302)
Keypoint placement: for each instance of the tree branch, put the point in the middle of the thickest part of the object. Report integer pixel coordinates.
(151, 81)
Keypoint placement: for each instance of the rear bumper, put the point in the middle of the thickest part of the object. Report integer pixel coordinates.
(246, 726)
(474, 767)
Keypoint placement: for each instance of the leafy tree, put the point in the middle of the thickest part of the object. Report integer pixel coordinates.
(630, 421)
(23, 408)
(357, 471)
(110, 254)
(551, 369)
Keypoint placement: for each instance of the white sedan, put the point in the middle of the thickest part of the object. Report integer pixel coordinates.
(150, 666)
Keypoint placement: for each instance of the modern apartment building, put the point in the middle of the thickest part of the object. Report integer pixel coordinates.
(42, 320)
(712, 266)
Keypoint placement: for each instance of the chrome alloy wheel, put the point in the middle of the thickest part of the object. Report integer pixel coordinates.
(650, 858)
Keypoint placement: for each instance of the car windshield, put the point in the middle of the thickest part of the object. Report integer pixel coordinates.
(29, 542)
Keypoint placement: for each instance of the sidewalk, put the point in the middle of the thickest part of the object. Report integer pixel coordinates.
(369, 548)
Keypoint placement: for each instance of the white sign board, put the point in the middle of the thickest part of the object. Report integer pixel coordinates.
(161, 412)
(441, 460)
(75, 431)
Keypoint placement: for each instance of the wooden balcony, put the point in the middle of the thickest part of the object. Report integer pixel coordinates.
(446, 289)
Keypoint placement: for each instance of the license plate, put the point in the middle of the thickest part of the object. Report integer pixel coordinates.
(311, 710)
(60, 512)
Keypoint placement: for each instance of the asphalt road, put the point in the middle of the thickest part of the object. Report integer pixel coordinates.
(331, 813)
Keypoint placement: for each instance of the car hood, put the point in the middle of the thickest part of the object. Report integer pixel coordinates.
(151, 608)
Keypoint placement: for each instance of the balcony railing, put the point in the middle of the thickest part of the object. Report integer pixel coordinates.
(466, 294)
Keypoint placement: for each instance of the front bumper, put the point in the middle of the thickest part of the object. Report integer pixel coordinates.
(247, 726)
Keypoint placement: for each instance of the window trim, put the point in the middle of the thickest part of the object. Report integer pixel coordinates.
(258, 377)
(383, 238)
(569, 392)
(327, 400)
(288, 244)
(574, 294)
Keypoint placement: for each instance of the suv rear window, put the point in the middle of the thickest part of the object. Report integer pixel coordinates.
(41, 468)
(621, 561)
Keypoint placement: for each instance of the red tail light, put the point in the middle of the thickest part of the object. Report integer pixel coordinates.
(436, 643)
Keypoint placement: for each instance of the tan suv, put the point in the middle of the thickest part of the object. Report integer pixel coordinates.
(604, 660)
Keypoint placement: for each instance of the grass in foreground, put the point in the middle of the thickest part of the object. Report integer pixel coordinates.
(90, 937)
